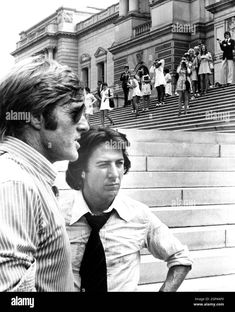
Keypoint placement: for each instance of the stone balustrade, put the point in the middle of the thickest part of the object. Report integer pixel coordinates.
(27, 37)
(98, 17)
(140, 29)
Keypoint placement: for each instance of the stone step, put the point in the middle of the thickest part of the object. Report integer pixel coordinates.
(204, 237)
(173, 122)
(198, 106)
(212, 262)
(171, 197)
(178, 149)
(163, 117)
(219, 101)
(147, 180)
(191, 216)
(220, 284)
(166, 136)
(198, 164)
(142, 180)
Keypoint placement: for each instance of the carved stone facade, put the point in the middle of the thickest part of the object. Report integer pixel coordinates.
(133, 32)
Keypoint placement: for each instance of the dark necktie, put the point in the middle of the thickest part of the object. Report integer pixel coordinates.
(93, 270)
(55, 190)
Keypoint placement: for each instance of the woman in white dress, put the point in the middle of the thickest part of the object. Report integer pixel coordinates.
(89, 102)
(205, 58)
(146, 91)
(106, 94)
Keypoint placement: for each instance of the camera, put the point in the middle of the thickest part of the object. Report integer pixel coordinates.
(157, 64)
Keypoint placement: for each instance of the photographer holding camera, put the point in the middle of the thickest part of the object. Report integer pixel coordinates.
(227, 46)
(183, 85)
(157, 73)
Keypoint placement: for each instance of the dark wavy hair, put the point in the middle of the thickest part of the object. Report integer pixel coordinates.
(227, 33)
(89, 141)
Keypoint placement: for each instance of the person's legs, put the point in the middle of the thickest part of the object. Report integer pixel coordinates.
(135, 103)
(230, 71)
(158, 94)
(102, 117)
(224, 71)
(186, 101)
(163, 89)
(206, 79)
(144, 102)
(148, 101)
(194, 88)
(133, 106)
(106, 114)
(202, 83)
(125, 91)
(87, 117)
(180, 101)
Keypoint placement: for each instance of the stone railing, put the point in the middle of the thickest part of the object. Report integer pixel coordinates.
(98, 17)
(141, 29)
(27, 37)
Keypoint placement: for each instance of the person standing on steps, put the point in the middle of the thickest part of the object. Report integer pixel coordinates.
(108, 229)
(146, 91)
(205, 58)
(227, 46)
(124, 79)
(106, 94)
(98, 92)
(157, 74)
(168, 87)
(137, 94)
(183, 86)
(90, 100)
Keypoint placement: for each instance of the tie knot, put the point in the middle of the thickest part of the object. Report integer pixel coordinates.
(55, 190)
(97, 222)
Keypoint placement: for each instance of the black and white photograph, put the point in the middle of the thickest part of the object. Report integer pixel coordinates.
(117, 152)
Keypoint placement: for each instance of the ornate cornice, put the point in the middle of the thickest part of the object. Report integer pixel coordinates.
(53, 37)
(146, 37)
(220, 6)
(99, 24)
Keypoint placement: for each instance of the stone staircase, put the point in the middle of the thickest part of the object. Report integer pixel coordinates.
(188, 180)
(214, 111)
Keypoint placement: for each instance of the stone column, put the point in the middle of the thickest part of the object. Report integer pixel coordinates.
(50, 53)
(123, 7)
(133, 6)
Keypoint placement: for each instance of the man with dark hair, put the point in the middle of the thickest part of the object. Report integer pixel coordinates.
(125, 76)
(107, 230)
(227, 46)
(41, 120)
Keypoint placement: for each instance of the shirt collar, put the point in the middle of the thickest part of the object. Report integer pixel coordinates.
(80, 207)
(27, 154)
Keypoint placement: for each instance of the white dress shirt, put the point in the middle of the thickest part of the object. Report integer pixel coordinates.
(130, 228)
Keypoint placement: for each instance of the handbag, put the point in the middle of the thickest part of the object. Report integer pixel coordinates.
(111, 101)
